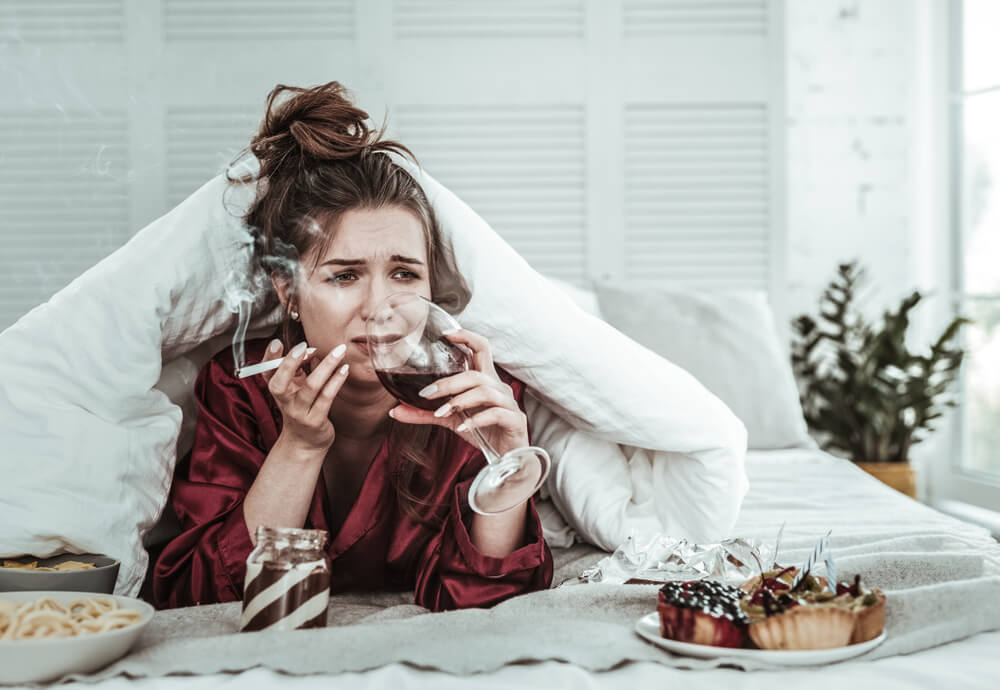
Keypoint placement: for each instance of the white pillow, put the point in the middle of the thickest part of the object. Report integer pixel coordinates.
(729, 342)
(90, 443)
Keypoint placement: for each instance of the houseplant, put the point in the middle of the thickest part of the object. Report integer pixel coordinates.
(864, 393)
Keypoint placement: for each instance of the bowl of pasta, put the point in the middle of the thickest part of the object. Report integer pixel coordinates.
(74, 572)
(46, 635)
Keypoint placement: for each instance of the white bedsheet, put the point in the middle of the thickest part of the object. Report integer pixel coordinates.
(970, 663)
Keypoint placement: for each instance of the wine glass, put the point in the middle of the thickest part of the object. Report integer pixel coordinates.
(409, 351)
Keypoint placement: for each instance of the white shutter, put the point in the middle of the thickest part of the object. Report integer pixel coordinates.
(697, 207)
(201, 142)
(695, 17)
(488, 18)
(604, 139)
(520, 168)
(257, 20)
(58, 21)
(63, 200)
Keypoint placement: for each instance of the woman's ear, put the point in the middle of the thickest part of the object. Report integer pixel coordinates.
(281, 286)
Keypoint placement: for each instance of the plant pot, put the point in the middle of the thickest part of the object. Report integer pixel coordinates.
(899, 475)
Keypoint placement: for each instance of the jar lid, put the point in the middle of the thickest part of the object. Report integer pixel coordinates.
(295, 537)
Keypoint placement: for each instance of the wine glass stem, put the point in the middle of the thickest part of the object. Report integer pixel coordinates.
(492, 456)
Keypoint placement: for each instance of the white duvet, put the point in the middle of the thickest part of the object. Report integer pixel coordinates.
(94, 382)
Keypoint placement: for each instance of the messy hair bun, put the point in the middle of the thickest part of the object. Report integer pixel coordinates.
(315, 124)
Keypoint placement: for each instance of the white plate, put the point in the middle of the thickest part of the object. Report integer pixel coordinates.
(649, 628)
(27, 661)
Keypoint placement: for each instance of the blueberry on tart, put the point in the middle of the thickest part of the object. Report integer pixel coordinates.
(702, 612)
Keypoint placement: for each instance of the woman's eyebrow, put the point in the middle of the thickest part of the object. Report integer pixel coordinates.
(361, 262)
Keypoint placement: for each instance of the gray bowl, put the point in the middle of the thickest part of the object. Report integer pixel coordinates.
(100, 579)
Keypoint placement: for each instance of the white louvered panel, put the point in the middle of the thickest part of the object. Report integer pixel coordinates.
(241, 20)
(201, 142)
(63, 200)
(521, 168)
(697, 194)
(60, 21)
(488, 18)
(695, 17)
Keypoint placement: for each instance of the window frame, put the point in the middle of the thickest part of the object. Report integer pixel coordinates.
(953, 481)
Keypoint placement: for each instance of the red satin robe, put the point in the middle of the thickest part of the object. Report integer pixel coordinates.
(378, 546)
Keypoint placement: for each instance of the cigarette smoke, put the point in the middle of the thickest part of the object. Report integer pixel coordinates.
(248, 284)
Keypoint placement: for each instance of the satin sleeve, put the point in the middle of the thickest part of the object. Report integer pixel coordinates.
(454, 574)
(207, 561)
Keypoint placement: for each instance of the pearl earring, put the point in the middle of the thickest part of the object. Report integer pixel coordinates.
(294, 315)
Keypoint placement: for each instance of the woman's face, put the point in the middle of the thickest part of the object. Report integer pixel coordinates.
(374, 253)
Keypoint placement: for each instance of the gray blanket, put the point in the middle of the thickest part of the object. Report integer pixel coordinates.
(941, 577)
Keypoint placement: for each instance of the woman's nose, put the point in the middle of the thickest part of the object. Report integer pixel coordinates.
(377, 292)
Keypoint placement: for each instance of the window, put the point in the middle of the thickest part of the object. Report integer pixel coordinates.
(976, 142)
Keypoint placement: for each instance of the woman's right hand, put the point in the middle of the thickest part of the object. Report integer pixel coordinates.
(305, 398)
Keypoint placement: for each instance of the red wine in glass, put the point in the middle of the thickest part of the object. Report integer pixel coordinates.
(409, 351)
(406, 384)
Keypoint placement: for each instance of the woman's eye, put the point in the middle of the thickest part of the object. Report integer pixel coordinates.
(406, 275)
(342, 277)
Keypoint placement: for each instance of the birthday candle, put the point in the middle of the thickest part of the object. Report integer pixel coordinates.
(818, 550)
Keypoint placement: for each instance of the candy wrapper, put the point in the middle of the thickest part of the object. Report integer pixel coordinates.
(663, 558)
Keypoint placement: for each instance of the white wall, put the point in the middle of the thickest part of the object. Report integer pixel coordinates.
(852, 81)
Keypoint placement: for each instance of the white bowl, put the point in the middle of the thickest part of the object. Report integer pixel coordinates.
(26, 661)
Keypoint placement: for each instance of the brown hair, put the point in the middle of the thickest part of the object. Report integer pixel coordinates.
(319, 159)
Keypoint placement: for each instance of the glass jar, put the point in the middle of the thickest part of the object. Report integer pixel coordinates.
(287, 585)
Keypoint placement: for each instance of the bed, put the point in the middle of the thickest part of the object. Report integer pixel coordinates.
(942, 577)
(693, 377)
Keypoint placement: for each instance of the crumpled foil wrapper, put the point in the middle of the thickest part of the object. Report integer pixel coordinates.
(664, 558)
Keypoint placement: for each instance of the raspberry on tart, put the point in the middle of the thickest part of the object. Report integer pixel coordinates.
(702, 612)
(868, 607)
(780, 580)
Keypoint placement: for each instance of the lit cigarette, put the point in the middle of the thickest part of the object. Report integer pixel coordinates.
(261, 367)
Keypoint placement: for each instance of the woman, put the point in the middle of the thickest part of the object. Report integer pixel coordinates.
(319, 442)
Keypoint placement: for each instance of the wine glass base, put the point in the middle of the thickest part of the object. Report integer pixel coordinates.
(504, 485)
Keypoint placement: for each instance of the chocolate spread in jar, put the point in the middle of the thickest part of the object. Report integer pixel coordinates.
(287, 584)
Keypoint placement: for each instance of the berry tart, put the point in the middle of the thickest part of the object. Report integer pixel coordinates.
(702, 612)
(809, 615)
(805, 616)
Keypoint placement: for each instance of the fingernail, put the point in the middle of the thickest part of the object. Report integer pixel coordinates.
(429, 391)
(343, 369)
(339, 350)
(462, 427)
(298, 350)
(392, 412)
(275, 345)
(310, 350)
(443, 411)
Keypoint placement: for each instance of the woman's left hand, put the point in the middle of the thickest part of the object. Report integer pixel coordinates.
(480, 393)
